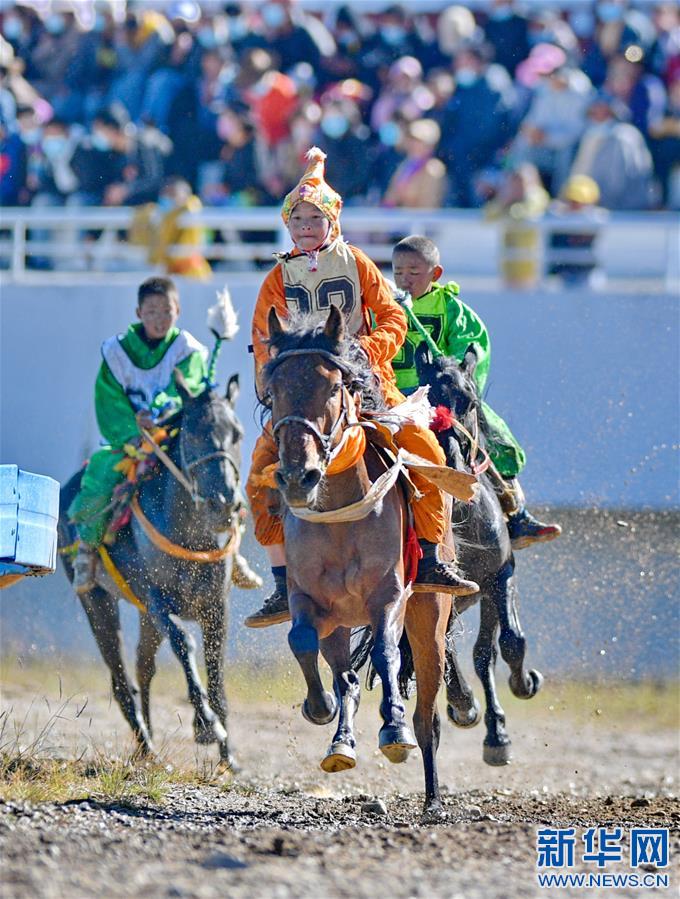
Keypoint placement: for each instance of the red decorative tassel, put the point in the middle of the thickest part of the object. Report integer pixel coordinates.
(443, 419)
(412, 555)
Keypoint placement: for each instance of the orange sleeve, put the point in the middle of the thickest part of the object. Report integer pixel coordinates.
(271, 294)
(389, 332)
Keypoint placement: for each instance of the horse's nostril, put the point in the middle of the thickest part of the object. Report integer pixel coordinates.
(280, 479)
(310, 478)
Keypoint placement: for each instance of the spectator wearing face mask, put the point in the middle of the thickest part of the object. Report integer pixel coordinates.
(29, 131)
(96, 162)
(554, 123)
(349, 33)
(394, 37)
(475, 124)
(55, 179)
(388, 153)
(294, 39)
(420, 180)
(616, 28)
(507, 32)
(345, 140)
(52, 56)
(404, 91)
(613, 153)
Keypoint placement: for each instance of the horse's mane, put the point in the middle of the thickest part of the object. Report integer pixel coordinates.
(305, 332)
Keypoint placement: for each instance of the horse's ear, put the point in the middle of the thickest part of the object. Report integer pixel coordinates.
(335, 325)
(470, 359)
(232, 391)
(424, 357)
(276, 328)
(182, 386)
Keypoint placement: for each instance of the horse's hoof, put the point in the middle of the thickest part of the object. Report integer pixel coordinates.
(536, 682)
(498, 755)
(340, 757)
(395, 742)
(464, 719)
(330, 703)
(210, 732)
(433, 812)
(227, 766)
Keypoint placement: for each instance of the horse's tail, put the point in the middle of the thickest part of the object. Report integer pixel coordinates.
(360, 655)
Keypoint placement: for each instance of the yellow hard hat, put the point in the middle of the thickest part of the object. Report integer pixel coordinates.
(581, 189)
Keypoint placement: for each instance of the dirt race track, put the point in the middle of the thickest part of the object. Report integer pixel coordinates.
(283, 828)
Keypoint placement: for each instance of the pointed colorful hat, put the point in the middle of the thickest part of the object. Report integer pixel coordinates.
(312, 188)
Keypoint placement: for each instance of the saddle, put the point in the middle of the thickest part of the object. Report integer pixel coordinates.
(138, 464)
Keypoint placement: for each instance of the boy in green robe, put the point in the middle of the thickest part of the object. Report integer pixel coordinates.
(453, 326)
(135, 386)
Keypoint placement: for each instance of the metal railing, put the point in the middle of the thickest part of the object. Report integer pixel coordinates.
(87, 243)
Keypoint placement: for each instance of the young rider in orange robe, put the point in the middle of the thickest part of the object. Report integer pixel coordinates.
(322, 268)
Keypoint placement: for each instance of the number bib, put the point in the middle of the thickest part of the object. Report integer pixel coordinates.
(335, 281)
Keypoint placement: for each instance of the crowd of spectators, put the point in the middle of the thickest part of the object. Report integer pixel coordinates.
(100, 103)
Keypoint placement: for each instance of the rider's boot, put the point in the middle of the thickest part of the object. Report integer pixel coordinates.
(243, 576)
(523, 527)
(85, 568)
(275, 607)
(435, 576)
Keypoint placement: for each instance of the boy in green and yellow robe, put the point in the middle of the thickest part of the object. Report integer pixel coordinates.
(453, 326)
(135, 387)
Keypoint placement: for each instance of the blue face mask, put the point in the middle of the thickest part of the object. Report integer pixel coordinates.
(165, 203)
(609, 12)
(466, 77)
(334, 126)
(55, 24)
(389, 134)
(502, 14)
(273, 15)
(582, 22)
(393, 34)
(206, 38)
(54, 146)
(346, 38)
(12, 29)
(32, 136)
(238, 28)
(100, 141)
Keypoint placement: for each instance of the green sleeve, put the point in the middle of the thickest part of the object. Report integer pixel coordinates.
(115, 415)
(195, 371)
(463, 327)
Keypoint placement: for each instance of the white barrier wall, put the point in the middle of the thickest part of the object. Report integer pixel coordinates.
(587, 381)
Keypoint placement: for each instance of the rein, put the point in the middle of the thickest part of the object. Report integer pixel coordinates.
(179, 473)
(475, 448)
(324, 441)
(181, 552)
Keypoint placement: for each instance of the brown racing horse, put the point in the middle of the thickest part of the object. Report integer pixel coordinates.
(347, 574)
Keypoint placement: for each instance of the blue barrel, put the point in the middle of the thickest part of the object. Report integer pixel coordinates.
(29, 511)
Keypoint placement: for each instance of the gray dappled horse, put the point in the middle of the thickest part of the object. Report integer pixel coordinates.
(486, 555)
(207, 452)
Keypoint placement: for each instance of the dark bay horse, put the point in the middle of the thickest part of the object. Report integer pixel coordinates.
(485, 554)
(342, 574)
(207, 453)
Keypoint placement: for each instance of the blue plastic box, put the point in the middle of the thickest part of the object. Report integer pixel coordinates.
(29, 510)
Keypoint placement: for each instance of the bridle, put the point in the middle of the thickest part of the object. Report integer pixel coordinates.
(325, 441)
(183, 474)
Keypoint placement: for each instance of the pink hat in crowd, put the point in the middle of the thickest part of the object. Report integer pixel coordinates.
(543, 60)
